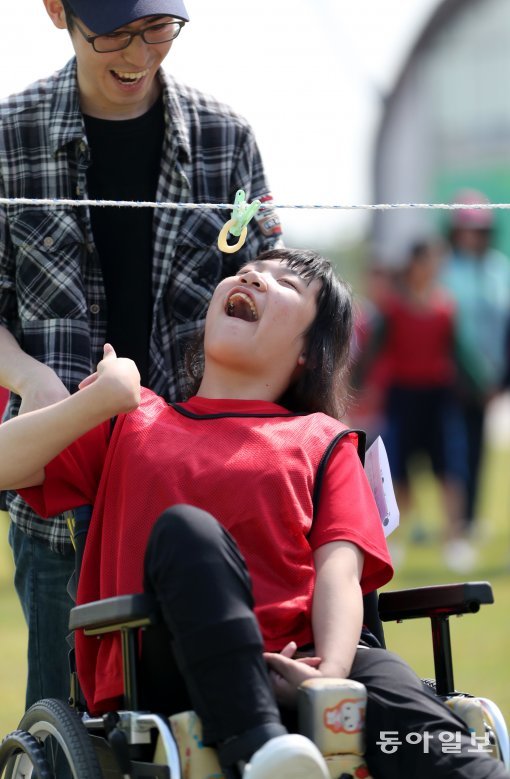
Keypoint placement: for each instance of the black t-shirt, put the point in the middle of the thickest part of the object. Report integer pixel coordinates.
(125, 165)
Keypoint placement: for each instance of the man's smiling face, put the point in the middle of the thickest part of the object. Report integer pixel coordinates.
(119, 84)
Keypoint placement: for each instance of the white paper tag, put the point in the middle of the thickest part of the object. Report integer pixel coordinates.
(378, 474)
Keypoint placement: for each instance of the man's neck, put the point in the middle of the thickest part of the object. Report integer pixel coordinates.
(92, 105)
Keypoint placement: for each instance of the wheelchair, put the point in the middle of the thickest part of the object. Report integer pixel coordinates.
(59, 740)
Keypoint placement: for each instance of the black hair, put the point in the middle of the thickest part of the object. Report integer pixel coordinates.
(321, 384)
(419, 250)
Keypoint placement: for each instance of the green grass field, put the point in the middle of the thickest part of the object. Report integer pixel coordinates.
(481, 642)
(12, 643)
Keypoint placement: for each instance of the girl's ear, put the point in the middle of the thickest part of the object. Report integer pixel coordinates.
(302, 359)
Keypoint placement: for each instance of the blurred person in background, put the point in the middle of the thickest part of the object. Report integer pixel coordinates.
(369, 383)
(415, 336)
(478, 278)
(4, 394)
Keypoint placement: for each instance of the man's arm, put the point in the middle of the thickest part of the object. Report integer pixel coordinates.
(30, 441)
(36, 383)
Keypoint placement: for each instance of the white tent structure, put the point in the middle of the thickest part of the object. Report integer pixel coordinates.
(446, 124)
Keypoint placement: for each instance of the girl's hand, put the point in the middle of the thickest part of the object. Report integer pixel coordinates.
(287, 672)
(108, 362)
(119, 378)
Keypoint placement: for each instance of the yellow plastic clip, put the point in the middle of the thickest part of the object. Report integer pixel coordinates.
(237, 224)
(222, 238)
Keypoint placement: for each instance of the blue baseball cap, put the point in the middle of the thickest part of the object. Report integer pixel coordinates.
(103, 16)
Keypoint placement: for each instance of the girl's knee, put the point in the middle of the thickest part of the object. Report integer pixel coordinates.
(181, 527)
(184, 538)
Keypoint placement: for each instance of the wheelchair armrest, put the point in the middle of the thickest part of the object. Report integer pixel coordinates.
(441, 600)
(113, 614)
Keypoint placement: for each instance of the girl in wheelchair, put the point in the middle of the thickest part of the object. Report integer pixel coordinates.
(246, 511)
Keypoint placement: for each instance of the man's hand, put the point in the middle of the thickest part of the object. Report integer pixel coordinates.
(42, 388)
(287, 673)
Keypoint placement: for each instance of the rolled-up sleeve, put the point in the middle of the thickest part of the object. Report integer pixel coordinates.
(347, 512)
(72, 478)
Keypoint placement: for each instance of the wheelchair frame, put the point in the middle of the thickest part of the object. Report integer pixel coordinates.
(124, 743)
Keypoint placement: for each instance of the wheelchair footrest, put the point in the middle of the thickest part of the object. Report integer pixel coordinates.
(197, 760)
(150, 770)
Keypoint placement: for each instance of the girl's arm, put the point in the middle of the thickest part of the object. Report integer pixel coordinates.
(337, 611)
(31, 440)
(337, 618)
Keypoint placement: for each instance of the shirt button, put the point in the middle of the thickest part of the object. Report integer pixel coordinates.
(83, 146)
(48, 242)
(94, 308)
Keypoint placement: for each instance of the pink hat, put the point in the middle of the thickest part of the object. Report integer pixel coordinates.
(472, 218)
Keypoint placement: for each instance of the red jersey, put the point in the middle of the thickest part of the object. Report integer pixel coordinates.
(419, 341)
(4, 396)
(252, 465)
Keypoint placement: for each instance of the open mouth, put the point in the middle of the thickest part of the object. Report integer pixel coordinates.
(126, 77)
(241, 306)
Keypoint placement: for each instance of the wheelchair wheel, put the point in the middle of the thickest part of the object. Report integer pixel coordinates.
(495, 722)
(67, 745)
(22, 756)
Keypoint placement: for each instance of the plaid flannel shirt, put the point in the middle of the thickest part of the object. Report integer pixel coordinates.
(52, 297)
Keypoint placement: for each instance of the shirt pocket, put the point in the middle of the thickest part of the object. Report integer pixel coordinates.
(50, 248)
(199, 264)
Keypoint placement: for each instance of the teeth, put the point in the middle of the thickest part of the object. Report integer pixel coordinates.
(127, 76)
(241, 296)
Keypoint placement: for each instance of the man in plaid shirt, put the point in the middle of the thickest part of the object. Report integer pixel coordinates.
(110, 125)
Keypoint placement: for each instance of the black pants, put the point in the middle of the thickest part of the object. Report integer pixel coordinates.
(208, 656)
(474, 420)
(400, 704)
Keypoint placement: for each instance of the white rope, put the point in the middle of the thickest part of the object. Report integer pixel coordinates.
(8, 201)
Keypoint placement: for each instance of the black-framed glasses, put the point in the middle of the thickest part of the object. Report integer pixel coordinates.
(162, 32)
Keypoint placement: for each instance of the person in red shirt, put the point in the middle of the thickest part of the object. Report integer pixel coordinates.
(246, 511)
(4, 394)
(416, 337)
